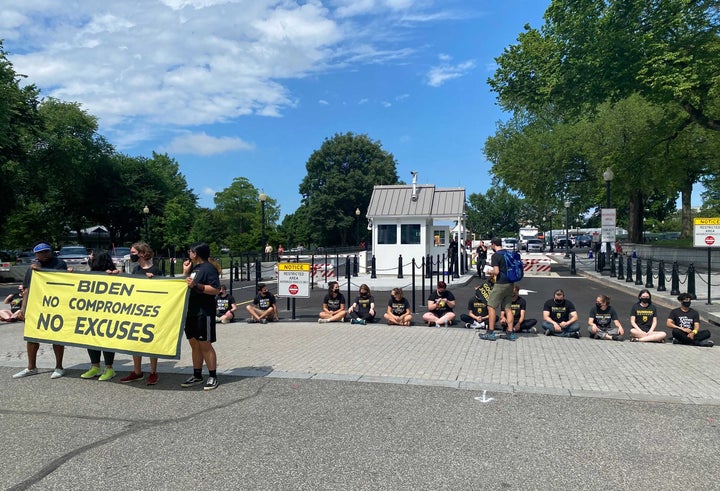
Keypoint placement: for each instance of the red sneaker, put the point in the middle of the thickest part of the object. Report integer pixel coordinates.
(153, 379)
(132, 377)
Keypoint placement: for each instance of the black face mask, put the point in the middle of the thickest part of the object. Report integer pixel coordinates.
(598, 305)
(559, 302)
(686, 303)
(646, 300)
(134, 258)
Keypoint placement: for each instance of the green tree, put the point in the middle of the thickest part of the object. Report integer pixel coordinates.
(495, 213)
(340, 178)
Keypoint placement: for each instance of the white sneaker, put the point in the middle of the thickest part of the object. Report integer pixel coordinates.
(26, 372)
(224, 320)
(57, 373)
(477, 325)
(323, 321)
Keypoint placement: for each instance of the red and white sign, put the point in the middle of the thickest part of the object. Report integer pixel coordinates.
(706, 232)
(294, 280)
(293, 289)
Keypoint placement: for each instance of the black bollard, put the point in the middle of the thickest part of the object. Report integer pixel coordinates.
(621, 272)
(247, 263)
(355, 266)
(691, 281)
(347, 268)
(638, 272)
(172, 266)
(400, 272)
(428, 266)
(573, 270)
(613, 273)
(439, 269)
(649, 275)
(422, 291)
(413, 285)
(661, 276)
(373, 274)
(629, 278)
(237, 270)
(162, 267)
(675, 280)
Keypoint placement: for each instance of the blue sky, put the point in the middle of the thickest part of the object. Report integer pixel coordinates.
(250, 88)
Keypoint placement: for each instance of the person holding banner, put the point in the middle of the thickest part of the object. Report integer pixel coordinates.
(204, 283)
(101, 261)
(142, 254)
(44, 261)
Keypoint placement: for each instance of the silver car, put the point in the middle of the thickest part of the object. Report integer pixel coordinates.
(534, 245)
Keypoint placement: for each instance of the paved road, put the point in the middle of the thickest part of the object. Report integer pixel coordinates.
(335, 406)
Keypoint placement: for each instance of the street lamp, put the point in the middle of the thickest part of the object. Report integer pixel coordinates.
(567, 231)
(357, 227)
(263, 198)
(608, 177)
(146, 213)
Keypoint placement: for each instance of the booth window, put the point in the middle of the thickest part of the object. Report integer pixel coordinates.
(387, 234)
(409, 234)
(439, 237)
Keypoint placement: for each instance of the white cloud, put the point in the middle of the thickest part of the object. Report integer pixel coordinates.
(208, 191)
(440, 74)
(203, 144)
(323, 102)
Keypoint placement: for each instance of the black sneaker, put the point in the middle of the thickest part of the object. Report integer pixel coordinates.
(212, 383)
(193, 380)
(616, 337)
(548, 332)
(575, 335)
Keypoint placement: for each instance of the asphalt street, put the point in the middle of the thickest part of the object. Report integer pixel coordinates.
(307, 406)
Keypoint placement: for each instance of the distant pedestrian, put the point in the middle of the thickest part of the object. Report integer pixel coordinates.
(560, 318)
(44, 261)
(603, 321)
(481, 259)
(685, 324)
(452, 256)
(398, 310)
(441, 303)
(333, 305)
(204, 283)
(643, 319)
(362, 311)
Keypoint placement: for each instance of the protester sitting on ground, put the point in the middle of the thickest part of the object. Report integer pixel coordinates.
(685, 324)
(363, 310)
(643, 319)
(440, 304)
(225, 306)
(14, 300)
(398, 310)
(477, 316)
(264, 306)
(333, 305)
(560, 317)
(518, 323)
(603, 322)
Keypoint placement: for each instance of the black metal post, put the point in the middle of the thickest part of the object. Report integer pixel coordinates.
(355, 265)
(675, 280)
(262, 227)
(661, 276)
(373, 274)
(422, 288)
(648, 274)
(621, 274)
(567, 231)
(612, 267)
(413, 285)
(638, 272)
(629, 278)
(400, 271)
(691, 281)
(573, 269)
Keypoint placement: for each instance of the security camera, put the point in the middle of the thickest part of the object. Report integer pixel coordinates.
(413, 172)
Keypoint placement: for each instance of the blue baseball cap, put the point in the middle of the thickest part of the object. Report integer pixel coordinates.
(42, 246)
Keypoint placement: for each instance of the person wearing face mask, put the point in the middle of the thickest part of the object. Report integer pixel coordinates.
(441, 303)
(477, 316)
(333, 305)
(141, 255)
(518, 323)
(44, 260)
(685, 324)
(643, 319)
(560, 317)
(603, 322)
(363, 310)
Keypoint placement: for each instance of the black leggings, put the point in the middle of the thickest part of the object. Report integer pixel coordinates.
(95, 356)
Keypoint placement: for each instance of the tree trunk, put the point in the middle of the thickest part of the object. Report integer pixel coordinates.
(686, 210)
(635, 218)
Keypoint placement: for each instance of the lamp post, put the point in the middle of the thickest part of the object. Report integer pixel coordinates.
(357, 227)
(146, 213)
(263, 198)
(608, 177)
(567, 231)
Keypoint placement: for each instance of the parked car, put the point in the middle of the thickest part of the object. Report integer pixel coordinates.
(535, 245)
(25, 257)
(583, 241)
(511, 244)
(119, 256)
(562, 241)
(73, 255)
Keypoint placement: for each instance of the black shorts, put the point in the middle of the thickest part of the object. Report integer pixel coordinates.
(200, 327)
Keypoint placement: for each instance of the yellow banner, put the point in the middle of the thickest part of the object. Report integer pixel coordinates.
(125, 314)
(706, 221)
(293, 266)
